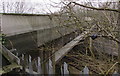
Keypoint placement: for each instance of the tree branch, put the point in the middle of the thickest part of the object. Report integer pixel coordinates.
(94, 8)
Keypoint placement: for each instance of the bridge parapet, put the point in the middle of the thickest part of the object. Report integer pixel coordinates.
(18, 24)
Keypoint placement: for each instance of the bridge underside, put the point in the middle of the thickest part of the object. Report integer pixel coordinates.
(27, 42)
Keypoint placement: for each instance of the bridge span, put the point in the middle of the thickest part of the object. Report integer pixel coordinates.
(26, 29)
(27, 32)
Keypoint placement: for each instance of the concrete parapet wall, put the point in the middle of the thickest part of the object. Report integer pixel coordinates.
(17, 24)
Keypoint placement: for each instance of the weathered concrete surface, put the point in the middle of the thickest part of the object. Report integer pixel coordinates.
(47, 29)
(17, 24)
(46, 35)
(22, 42)
(65, 49)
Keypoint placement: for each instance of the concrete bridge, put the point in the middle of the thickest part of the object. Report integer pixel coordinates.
(27, 31)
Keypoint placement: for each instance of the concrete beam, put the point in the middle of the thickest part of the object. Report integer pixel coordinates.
(11, 57)
(65, 49)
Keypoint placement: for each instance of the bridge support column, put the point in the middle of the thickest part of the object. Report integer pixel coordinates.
(43, 61)
(90, 47)
(53, 61)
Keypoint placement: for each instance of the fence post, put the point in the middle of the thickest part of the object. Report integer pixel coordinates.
(30, 65)
(115, 74)
(86, 71)
(65, 70)
(23, 62)
(49, 67)
(39, 69)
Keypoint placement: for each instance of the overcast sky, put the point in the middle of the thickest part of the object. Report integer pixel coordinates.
(42, 6)
(58, 0)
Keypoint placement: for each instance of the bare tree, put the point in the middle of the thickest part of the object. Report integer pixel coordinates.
(17, 7)
(106, 15)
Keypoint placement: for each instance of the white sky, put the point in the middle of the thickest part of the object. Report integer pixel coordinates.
(39, 5)
(44, 5)
(40, 1)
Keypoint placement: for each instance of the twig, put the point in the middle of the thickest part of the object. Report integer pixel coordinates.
(111, 68)
(104, 9)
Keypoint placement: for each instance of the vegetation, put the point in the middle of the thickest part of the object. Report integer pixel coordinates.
(102, 53)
